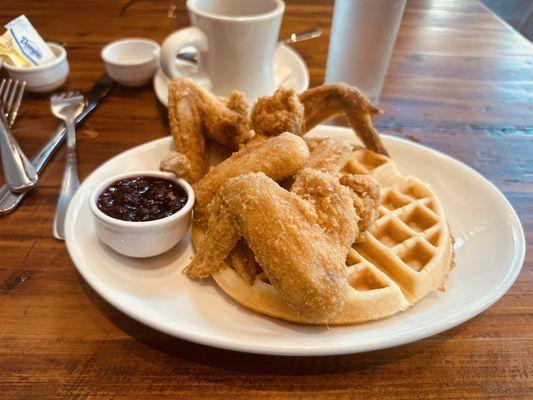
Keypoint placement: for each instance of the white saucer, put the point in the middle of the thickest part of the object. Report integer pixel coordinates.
(490, 250)
(290, 72)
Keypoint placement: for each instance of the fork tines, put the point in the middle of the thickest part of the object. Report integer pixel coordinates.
(65, 96)
(11, 92)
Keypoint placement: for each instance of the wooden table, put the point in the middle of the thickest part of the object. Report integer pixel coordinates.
(461, 81)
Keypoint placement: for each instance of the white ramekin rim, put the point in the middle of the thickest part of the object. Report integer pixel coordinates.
(123, 41)
(136, 225)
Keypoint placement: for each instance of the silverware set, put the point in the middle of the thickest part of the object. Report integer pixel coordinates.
(72, 108)
(20, 173)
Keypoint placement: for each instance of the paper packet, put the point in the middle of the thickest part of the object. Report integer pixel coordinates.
(22, 46)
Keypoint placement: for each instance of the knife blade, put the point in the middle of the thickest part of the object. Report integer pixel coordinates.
(9, 201)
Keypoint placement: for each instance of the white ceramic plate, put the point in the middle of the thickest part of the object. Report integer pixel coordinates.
(490, 249)
(290, 72)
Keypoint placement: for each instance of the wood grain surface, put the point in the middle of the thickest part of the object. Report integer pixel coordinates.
(460, 81)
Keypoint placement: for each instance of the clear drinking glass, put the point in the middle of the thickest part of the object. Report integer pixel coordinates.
(360, 46)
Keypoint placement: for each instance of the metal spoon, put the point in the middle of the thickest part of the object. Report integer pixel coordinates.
(292, 38)
(300, 36)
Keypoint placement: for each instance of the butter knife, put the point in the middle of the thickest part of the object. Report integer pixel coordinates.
(9, 200)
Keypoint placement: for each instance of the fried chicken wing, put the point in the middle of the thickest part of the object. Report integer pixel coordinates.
(284, 111)
(194, 114)
(326, 101)
(301, 243)
(277, 157)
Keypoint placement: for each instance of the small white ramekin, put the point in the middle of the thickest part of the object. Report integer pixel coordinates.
(145, 238)
(131, 62)
(43, 78)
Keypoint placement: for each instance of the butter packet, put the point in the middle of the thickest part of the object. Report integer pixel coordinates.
(10, 53)
(22, 45)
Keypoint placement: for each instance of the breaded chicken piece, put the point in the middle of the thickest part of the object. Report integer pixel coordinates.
(285, 111)
(330, 155)
(326, 101)
(366, 199)
(281, 112)
(300, 242)
(327, 155)
(194, 114)
(278, 157)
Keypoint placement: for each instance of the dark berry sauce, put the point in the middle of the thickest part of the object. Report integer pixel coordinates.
(142, 198)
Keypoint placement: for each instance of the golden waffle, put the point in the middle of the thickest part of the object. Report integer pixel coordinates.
(407, 252)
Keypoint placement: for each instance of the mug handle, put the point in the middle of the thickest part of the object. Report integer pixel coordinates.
(173, 44)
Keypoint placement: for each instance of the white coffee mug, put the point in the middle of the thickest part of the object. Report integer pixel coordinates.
(235, 40)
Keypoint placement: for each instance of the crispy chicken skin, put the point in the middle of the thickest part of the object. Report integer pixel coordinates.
(299, 238)
(286, 111)
(281, 112)
(366, 199)
(324, 102)
(329, 154)
(278, 157)
(194, 114)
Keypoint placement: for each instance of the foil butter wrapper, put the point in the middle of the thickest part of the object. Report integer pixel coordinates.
(22, 46)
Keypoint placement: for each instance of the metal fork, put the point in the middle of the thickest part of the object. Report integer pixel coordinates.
(67, 106)
(19, 172)
(11, 93)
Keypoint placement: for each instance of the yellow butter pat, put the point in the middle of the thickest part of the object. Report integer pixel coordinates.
(10, 53)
